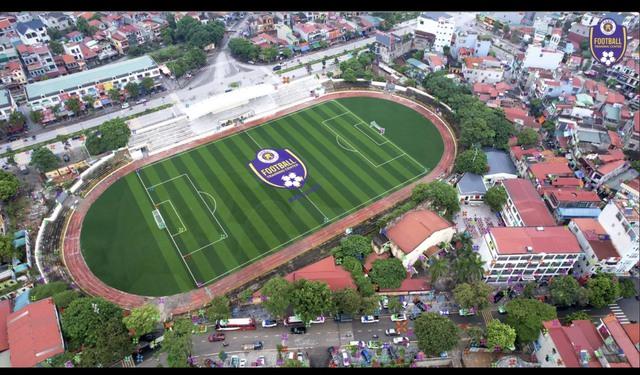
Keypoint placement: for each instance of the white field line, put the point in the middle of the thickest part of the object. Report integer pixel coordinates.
(207, 205)
(184, 227)
(164, 182)
(325, 217)
(368, 136)
(254, 141)
(341, 146)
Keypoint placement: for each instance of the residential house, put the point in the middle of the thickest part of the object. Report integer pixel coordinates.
(12, 76)
(32, 32)
(152, 29)
(38, 60)
(517, 254)
(7, 105)
(537, 56)
(284, 32)
(113, 21)
(133, 34)
(524, 207)
(487, 92)
(472, 187)
(522, 157)
(74, 37)
(568, 204)
(56, 20)
(627, 75)
(34, 334)
(437, 27)
(482, 69)
(632, 133)
(552, 88)
(368, 24)
(71, 64)
(599, 254)
(543, 173)
(6, 25)
(521, 118)
(416, 233)
(24, 17)
(598, 169)
(264, 23)
(434, 61)
(417, 69)
(470, 44)
(630, 189)
(325, 271)
(120, 42)
(263, 40)
(578, 33)
(390, 46)
(98, 25)
(620, 219)
(308, 31)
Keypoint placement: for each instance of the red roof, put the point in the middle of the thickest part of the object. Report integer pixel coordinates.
(612, 155)
(556, 168)
(567, 181)
(595, 235)
(581, 335)
(410, 285)
(549, 240)
(633, 331)
(518, 152)
(615, 97)
(610, 167)
(368, 263)
(615, 139)
(621, 338)
(575, 195)
(5, 310)
(633, 184)
(4, 24)
(485, 88)
(527, 201)
(415, 227)
(435, 60)
(515, 113)
(34, 334)
(325, 271)
(636, 122)
(68, 59)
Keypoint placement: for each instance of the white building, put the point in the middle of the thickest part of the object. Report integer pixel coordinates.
(416, 233)
(542, 58)
(528, 253)
(7, 105)
(620, 219)
(32, 32)
(589, 19)
(440, 25)
(599, 254)
(482, 69)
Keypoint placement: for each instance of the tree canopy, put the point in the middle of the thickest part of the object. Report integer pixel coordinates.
(6, 248)
(468, 266)
(388, 273)
(435, 333)
(177, 343)
(355, 246)
(526, 316)
(111, 135)
(346, 301)
(496, 197)
(243, 49)
(142, 319)
(500, 335)
(564, 290)
(311, 299)
(474, 161)
(44, 159)
(472, 295)
(577, 315)
(603, 289)
(43, 291)
(63, 299)
(527, 137)
(441, 196)
(9, 185)
(220, 309)
(277, 292)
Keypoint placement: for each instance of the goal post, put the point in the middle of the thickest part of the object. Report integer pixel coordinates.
(375, 125)
(159, 219)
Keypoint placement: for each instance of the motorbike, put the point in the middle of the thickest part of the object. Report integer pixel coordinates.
(225, 344)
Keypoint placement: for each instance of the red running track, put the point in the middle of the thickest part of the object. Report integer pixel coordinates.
(194, 299)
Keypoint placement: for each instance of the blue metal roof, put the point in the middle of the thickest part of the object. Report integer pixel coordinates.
(499, 162)
(578, 212)
(471, 183)
(35, 24)
(418, 64)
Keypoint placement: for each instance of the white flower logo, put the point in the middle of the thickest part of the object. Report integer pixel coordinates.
(292, 179)
(607, 58)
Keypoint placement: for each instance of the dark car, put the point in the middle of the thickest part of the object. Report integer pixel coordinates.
(421, 305)
(498, 296)
(216, 337)
(298, 330)
(277, 67)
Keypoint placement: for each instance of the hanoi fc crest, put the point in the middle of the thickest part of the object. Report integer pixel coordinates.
(607, 42)
(279, 168)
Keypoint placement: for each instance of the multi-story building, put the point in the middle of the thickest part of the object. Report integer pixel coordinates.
(568, 204)
(544, 173)
(7, 105)
(6, 25)
(620, 219)
(528, 253)
(284, 32)
(472, 44)
(482, 69)
(38, 60)
(32, 32)
(390, 46)
(51, 92)
(56, 20)
(120, 42)
(524, 207)
(12, 76)
(537, 56)
(439, 28)
(627, 74)
(599, 254)
(308, 31)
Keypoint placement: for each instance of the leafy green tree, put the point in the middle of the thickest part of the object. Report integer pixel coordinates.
(440, 195)
(73, 105)
(17, 118)
(167, 36)
(364, 285)
(529, 290)
(147, 83)
(468, 266)
(6, 248)
(349, 75)
(527, 137)
(43, 291)
(500, 335)
(369, 305)
(36, 116)
(474, 161)
(142, 319)
(355, 246)
(132, 89)
(435, 333)
(496, 197)
(292, 363)
(549, 126)
(278, 293)
(577, 315)
(388, 273)
(177, 343)
(603, 290)
(310, 299)
(220, 309)
(418, 55)
(537, 107)
(243, 49)
(269, 53)
(111, 135)
(44, 159)
(346, 301)
(474, 295)
(476, 333)
(438, 269)
(635, 164)
(63, 299)
(526, 317)
(112, 344)
(287, 53)
(563, 290)
(395, 306)
(114, 94)
(83, 26)
(171, 21)
(9, 185)
(56, 47)
(84, 319)
(627, 288)
(477, 131)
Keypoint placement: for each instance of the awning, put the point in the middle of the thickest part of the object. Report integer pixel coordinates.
(578, 212)
(315, 45)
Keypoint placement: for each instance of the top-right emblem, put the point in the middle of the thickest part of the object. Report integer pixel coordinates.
(607, 42)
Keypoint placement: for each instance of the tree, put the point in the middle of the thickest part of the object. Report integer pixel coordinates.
(177, 343)
(476, 334)
(355, 246)
(435, 333)
(549, 126)
(577, 315)
(395, 306)
(73, 105)
(388, 273)
(526, 316)
(277, 292)
(287, 53)
(529, 290)
(269, 53)
(635, 164)
(147, 83)
(438, 269)
(536, 107)
(476, 131)
(349, 75)
(84, 319)
(563, 290)
(9, 185)
(56, 47)
(63, 299)
(346, 301)
(418, 55)
(17, 118)
(603, 290)
(167, 36)
(474, 161)
(114, 94)
(440, 195)
(243, 49)
(36, 116)
(292, 363)
(527, 137)
(627, 288)
(369, 305)
(132, 89)
(142, 319)
(43, 159)
(468, 266)
(474, 295)
(112, 344)
(310, 299)
(88, 100)
(43, 291)
(220, 309)
(6, 248)
(496, 197)
(500, 335)
(111, 135)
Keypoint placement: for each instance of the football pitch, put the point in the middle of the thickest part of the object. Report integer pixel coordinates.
(195, 217)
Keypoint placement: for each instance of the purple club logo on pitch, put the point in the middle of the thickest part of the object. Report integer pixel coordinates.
(279, 168)
(607, 42)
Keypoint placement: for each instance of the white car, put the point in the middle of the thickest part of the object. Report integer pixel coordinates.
(398, 317)
(391, 332)
(400, 340)
(369, 319)
(345, 358)
(269, 323)
(318, 320)
(125, 105)
(243, 362)
(385, 302)
(300, 356)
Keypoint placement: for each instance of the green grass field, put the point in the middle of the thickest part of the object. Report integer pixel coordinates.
(218, 216)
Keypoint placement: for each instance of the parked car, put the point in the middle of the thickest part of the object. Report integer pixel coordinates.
(125, 105)
(401, 340)
(398, 317)
(498, 296)
(298, 330)
(343, 318)
(254, 346)
(374, 344)
(502, 310)
(216, 337)
(369, 319)
(317, 320)
(391, 332)
(243, 362)
(467, 312)
(235, 361)
(277, 67)
(269, 323)
(143, 100)
(421, 305)
(345, 358)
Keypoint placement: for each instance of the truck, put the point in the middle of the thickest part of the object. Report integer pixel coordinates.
(253, 346)
(343, 318)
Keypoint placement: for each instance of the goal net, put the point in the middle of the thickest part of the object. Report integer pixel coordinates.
(375, 125)
(159, 220)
